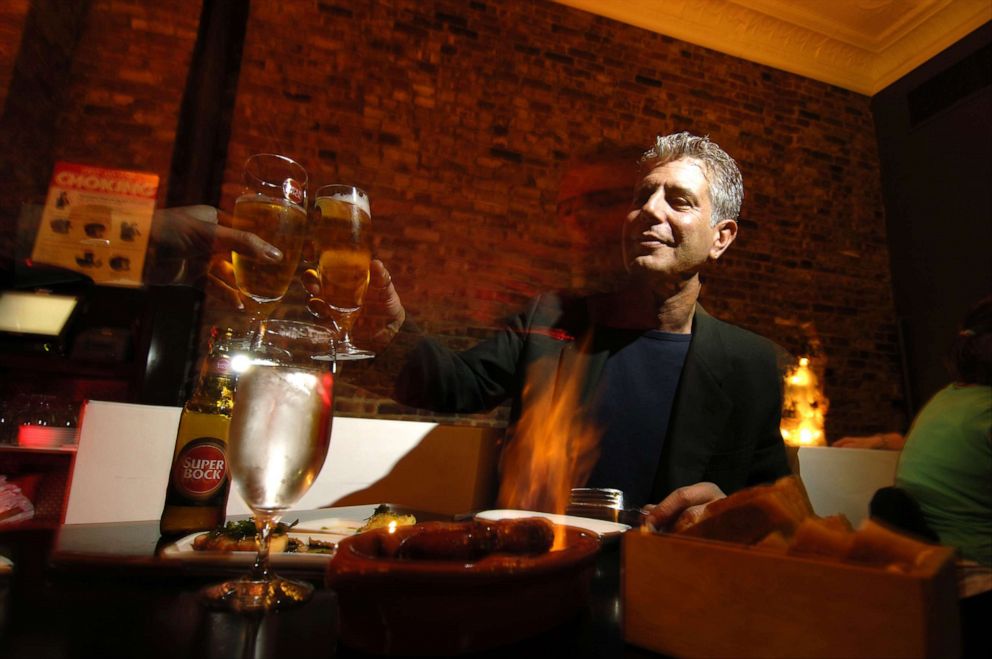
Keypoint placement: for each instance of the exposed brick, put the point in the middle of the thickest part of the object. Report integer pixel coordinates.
(459, 118)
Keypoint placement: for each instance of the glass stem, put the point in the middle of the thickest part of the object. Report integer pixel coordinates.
(256, 312)
(341, 322)
(264, 524)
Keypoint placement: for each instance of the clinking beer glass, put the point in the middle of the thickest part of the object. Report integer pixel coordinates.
(272, 205)
(341, 229)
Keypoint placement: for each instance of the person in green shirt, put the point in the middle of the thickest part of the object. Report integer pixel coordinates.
(944, 477)
(946, 467)
(946, 464)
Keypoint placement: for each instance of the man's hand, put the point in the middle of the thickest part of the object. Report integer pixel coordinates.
(195, 236)
(690, 501)
(382, 312)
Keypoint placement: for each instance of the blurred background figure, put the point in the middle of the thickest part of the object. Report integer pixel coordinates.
(594, 196)
(943, 487)
(946, 463)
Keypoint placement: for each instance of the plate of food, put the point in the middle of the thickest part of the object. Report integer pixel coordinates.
(297, 544)
(602, 528)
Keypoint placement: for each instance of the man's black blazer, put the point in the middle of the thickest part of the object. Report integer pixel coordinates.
(725, 420)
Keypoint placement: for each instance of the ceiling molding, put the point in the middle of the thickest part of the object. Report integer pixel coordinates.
(860, 45)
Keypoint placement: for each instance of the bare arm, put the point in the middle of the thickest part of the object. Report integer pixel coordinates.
(891, 441)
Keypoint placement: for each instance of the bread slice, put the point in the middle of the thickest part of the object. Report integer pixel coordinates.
(750, 515)
(876, 544)
(830, 537)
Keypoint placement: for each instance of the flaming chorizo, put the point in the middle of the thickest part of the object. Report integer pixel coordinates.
(531, 535)
(448, 541)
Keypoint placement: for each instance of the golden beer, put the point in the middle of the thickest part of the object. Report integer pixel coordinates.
(343, 239)
(279, 223)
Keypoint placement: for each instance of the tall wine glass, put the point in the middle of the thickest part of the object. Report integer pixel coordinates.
(342, 235)
(278, 439)
(272, 205)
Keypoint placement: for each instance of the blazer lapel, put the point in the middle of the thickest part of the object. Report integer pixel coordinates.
(700, 411)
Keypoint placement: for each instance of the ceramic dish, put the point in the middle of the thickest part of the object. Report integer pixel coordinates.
(444, 607)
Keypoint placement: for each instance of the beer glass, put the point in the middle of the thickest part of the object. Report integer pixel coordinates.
(272, 205)
(278, 438)
(342, 235)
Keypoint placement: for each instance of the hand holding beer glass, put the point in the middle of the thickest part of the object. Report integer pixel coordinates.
(272, 205)
(342, 233)
(278, 440)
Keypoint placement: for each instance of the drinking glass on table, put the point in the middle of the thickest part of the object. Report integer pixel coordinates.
(273, 205)
(278, 439)
(342, 235)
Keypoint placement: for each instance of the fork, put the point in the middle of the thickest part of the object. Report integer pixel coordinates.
(602, 503)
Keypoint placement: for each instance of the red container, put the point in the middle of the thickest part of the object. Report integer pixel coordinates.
(432, 607)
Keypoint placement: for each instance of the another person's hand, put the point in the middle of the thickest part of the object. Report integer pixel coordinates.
(690, 501)
(221, 282)
(891, 441)
(194, 237)
(197, 230)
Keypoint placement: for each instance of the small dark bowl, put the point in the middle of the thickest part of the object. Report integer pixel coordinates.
(433, 607)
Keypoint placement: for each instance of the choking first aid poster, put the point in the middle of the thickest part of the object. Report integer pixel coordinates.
(96, 221)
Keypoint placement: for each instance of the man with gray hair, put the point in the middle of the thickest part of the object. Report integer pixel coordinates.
(689, 406)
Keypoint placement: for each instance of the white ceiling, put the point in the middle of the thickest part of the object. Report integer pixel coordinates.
(861, 45)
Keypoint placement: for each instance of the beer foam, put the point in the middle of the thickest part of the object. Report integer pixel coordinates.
(354, 197)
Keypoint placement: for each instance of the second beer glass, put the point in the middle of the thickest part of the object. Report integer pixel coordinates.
(342, 235)
(273, 206)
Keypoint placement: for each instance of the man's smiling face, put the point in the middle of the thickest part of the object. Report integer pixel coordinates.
(668, 230)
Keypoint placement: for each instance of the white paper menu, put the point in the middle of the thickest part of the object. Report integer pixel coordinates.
(97, 221)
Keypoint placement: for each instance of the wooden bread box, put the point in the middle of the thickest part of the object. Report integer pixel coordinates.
(690, 597)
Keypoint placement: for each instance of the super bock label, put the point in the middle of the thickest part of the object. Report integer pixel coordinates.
(201, 469)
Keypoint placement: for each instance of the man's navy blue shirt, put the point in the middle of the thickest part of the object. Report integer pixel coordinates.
(632, 406)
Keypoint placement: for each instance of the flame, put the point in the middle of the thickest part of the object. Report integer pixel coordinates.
(391, 527)
(553, 448)
(805, 407)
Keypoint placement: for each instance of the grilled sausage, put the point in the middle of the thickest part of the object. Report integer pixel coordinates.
(531, 535)
(442, 541)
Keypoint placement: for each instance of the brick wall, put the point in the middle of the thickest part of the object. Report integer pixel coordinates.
(13, 14)
(127, 84)
(461, 117)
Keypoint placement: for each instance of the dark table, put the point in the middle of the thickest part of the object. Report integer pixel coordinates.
(99, 590)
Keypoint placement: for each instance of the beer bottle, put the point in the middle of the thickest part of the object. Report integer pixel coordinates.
(199, 482)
